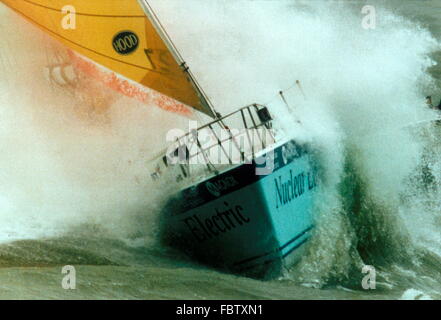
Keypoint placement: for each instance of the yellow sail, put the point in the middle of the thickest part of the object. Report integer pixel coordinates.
(117, 35)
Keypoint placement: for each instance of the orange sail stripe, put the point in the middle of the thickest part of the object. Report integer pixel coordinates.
(117, 35)
(111, 80)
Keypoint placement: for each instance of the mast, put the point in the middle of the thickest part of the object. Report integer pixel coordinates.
(177, 56)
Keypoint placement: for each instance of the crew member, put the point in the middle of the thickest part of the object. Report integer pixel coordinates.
(430, 104)
(429, 101)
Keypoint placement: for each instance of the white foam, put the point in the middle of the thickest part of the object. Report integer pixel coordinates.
(361, 87)
(413, 294)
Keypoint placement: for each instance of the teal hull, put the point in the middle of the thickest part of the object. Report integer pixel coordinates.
(245, 223)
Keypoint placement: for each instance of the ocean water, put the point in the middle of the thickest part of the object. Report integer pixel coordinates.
(73, 183)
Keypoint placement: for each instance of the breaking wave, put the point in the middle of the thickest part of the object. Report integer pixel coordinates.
(62, 179)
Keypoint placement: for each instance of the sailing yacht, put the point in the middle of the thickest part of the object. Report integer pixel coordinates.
(244, 192)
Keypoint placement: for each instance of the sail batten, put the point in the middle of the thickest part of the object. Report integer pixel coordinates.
(119, 36)
(115, 15)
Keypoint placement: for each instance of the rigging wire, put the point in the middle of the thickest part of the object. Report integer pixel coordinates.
(166, 37)
(277, 96)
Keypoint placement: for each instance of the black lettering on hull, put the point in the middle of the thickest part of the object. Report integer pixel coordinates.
(223, 221)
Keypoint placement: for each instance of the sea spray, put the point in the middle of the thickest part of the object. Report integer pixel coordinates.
(378, 157)
(68, 167)
(362, 87)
